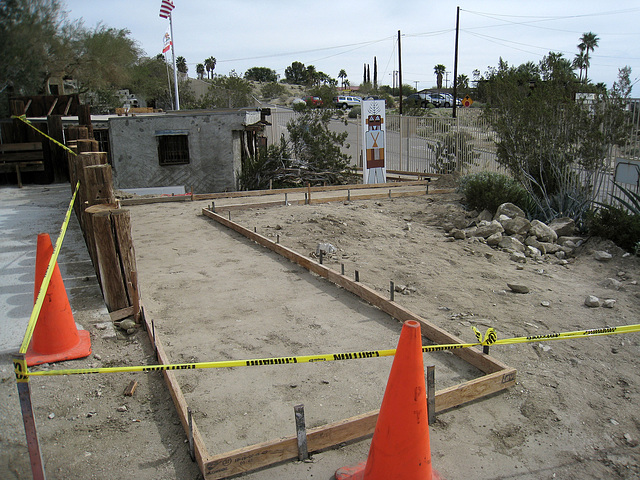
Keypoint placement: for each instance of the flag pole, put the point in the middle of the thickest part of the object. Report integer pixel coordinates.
(175, 70)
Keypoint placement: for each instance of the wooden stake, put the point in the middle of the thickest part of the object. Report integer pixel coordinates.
(131, 388)
(357, 276)
(392, 291)
(301, 432)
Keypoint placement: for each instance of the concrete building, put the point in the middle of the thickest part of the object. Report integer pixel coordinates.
(199, 149)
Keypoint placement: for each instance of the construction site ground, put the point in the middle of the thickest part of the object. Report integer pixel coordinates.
(213, 295)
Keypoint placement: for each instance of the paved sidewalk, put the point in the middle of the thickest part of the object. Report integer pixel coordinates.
(25, 212)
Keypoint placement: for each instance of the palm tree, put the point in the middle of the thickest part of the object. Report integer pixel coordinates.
(200, 70)
(580, 63)
(588, 42)
(439, 71)
(462, 82)
(181, 64)
(342, 75)
(210, 65)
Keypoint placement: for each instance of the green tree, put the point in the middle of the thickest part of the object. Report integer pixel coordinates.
(181, 64)
(439, 71)
(273, 90)
(149, 81)
(230, 91)
(200, 70)
(315, 145)
(545, 135)
(210, 65)
(261, 74)
(588, 43)
(103, 63)
(296, 74)
(30, 31)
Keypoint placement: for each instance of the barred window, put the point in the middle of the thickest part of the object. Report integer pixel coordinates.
(173, 149)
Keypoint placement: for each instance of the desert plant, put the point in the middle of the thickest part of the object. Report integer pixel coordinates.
(489, 190)
(453, 152)
(616, 224)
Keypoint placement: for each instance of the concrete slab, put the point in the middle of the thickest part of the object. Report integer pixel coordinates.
(24, 213)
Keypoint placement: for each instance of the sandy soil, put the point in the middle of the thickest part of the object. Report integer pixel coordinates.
(214, 296)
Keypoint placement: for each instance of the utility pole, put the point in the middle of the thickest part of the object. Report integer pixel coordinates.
(400, 69)
(455, 64)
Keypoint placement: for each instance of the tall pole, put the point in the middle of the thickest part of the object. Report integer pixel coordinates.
(455, 64)
(400, 69)
(175, 70)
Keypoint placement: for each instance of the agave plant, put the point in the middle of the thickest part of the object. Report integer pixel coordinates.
(632, 202)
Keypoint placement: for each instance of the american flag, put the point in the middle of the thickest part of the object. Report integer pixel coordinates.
(165, 8)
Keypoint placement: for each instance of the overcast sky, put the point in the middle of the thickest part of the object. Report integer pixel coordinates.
(334, 35)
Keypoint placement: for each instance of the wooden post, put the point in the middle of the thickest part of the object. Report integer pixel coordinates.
(309, 192)
(99, 182)
(108, 263)
(57, 154)
(121, 221)
(87, 145)
(84, 118)
(392, 291)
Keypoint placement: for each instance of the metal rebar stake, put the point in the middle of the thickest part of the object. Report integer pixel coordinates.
(431, 394)
(301, 433)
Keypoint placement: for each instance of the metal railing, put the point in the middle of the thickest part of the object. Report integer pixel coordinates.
(466, 144)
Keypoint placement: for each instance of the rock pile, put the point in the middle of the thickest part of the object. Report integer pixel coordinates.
(510, 230)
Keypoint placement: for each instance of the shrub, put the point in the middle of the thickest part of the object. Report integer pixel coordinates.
(354, 112)
(615, 224)
(489, 190)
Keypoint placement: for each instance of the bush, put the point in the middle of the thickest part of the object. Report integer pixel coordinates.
(354, 112)
(617, 225)
(489, 190)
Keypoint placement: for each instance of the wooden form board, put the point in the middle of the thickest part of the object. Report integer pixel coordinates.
(258, 193)
(498, 376)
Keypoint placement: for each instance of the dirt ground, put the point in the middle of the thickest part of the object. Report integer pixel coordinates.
(214, 295)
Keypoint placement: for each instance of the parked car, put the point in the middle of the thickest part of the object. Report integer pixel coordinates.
(441, 99)
(313, 101)
(418, 99)
(347, 101)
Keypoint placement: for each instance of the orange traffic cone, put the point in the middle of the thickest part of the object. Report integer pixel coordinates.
(55, 337)
(400, 446)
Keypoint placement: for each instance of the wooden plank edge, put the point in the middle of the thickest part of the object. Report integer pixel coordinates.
(148, 200)
(342, 198)
(485, 363)
(246, 459)
(120, 314)
(177, 395)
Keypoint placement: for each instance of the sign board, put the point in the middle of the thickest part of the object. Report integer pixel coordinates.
(627, 171)
(467, 101)
(374, 131)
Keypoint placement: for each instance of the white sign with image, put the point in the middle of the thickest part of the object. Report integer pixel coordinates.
(374, 131)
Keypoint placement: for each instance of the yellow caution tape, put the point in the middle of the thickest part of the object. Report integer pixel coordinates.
(23, 118)
(490, 338)
(21, 370)
(47, 277)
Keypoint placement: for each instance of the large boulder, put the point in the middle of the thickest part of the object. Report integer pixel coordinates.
(486, 229)
(542, 232)
(511, 244)
(516, 226)
(510, 210)
(564, 226)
